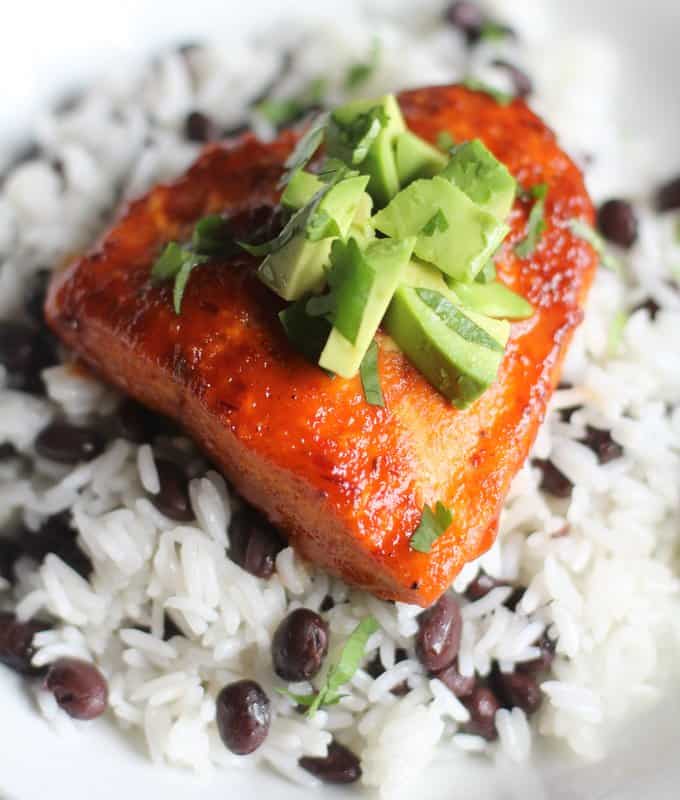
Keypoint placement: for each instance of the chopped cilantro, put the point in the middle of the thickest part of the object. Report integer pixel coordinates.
(305, 148)
(615, 332)
(370, 377)
(457, 321)
(475, 85)
(590, 235)
(359, 73)
(536, 224)
(342, 672)
(358, 135)
(493, 31)
(445, 141)
(308, 334)
(284, 110)
(176, 263)
(211, 236)
(437, 224)
(432, 525)
(487, 274)
(351, 278)
(321, 225)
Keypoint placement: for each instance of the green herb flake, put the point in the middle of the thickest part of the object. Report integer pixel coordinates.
(370, 377)
(321, 225)
(437, 224)
(283, 111)
(445, 141)
(432, 525)
(475, 85)
(457, 321)
(322, 305)
(176, 263)
(493, 32)
(351, 277)
(359, 73)
(359, 134)
(211, 236)
(487, 274)
(341, 673)
(308, 334)
(305, 148)
(536, 224)
(615, 332)
(588, 234)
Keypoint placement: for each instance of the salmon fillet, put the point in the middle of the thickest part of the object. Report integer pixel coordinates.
(345, 481)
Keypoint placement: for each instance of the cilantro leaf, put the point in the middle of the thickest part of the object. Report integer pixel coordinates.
(359, 73)
(370, 377)
(211, 236)
(536, 224)
(437, 224)
(487, 274)
(457, 321)
(308, 334)
(475, 85)
(356, 136)
(590, 235)
(351, 278)
(176, 262)
(305, 148)
(432, 525)
(445, 141)
(284, 110)
(493, 32)
(321, 225)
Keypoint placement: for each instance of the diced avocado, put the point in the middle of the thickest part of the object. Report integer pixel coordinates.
(453, 232)
(461, 367)
(416, 158)
(300, 190)
(346, 127)
(362, 228)
(482, 177)
(420, 275)
(388, 260)
(298, 267)
(492, 300)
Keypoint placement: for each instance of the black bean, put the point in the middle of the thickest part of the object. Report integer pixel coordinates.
(7, 451)
(668, 195)
(10, 552)
(300, 645)
(601, 443)
(173, 497)
(78, 687)
(617, 222)
(17, 346)
(254, 543)
(649, 305)
(438, 637)
(339, 766)
(69, 444)
(137, 423)
(460, 685)
(546, 644)
(520, 80)
(198, 127)
(468, 18)
(243, 716)
(16, 643)
(327, 604)
(34, 301)
(482, 705)
(514, 599)
(567, 413)
(517, 690)
(375, 669)
(236, 130)
(187, 48)
(57, 536)
(481, 586)
(170, 628)
(257, 225)
(552, 480)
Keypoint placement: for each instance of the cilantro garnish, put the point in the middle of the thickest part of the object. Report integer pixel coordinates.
(370, 377)
(357, 136)
(437, 224)
(432, 525)
(305, 148)
(176, 263)
(342, 672)
(359, 73)
(615, 332)
(536, 224)
(445, 141)
(457, 321)
(590, 235)
(475, 85)
(284, 110)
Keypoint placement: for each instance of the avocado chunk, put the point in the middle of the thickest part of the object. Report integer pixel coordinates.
(493, 300)
(458, 351)
(453, 232)
(300, 190)
(483, 178)
(421, 275)
(362, 134)
(416, 158)
(363, 283)
(298, 267)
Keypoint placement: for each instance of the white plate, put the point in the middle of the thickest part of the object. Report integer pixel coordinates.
(49, 47)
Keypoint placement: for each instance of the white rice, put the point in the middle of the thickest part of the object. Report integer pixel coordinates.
(601, 569)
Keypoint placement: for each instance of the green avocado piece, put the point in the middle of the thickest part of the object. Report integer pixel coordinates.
(387, 261)
(421, 275)
(453, 232)
(416, 158)
(483, 178)
(458, 351)
(300, 190)
(346, 126)
(298, 267)
(493, 300)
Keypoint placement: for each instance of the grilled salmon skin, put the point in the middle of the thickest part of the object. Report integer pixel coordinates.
(345, 481)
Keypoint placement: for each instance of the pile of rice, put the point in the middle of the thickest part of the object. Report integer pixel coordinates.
(601, 568)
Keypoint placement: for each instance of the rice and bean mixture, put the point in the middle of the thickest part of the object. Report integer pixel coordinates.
(122, 548)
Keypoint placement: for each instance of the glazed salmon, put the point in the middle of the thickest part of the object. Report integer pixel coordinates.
(345, 481)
